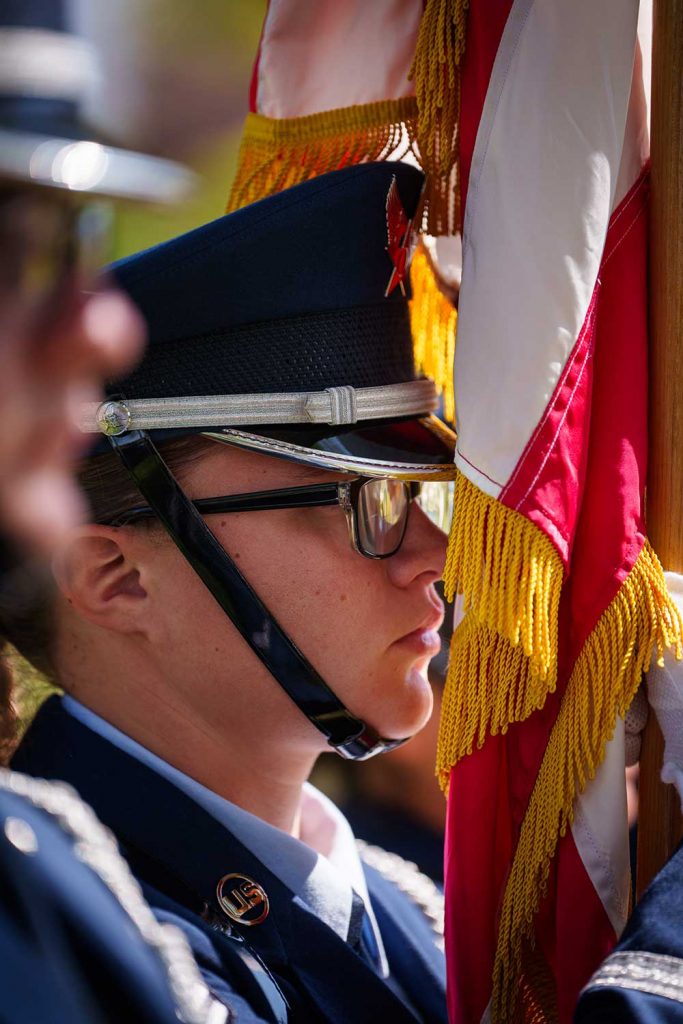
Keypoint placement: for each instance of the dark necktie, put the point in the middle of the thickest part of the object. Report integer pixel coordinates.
(361, 936)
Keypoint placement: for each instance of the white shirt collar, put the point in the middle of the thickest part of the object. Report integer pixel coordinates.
(322, 868)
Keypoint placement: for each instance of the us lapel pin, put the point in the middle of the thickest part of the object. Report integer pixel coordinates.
(242, 899)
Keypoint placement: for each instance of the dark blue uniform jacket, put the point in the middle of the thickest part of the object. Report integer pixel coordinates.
(642, 981)
(292, 966)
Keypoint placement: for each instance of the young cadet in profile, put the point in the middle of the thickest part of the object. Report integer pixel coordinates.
(79, 944)
(256, 585)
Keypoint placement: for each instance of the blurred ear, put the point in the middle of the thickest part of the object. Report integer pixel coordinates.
(98, 571)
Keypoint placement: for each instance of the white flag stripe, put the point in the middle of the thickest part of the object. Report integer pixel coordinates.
(600, 832)
(303, 69)
(545, 164)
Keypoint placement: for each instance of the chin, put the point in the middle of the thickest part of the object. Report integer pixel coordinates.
(406, 708)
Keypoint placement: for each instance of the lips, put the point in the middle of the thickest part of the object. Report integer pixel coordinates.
(426, 637)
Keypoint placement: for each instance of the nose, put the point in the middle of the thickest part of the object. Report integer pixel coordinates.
(422, 554)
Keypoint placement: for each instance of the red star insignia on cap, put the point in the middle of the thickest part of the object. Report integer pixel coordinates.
(400, 235)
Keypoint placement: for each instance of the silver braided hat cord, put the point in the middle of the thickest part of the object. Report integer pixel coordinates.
(407, 877)
(343, 405)
(338, 405)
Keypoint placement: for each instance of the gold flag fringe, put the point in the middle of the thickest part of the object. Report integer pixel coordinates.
(276, 153)
(503, 658)
(489, 685)
(641, 620)
(436, 72)
(433, 322)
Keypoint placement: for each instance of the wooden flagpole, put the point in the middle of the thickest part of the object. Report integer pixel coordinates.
(659, 827)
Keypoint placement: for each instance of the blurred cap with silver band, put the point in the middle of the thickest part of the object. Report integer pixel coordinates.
(46, 72)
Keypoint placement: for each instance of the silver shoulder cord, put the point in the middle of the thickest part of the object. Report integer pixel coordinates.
(656, 974)
(96, 847)
(407, 877)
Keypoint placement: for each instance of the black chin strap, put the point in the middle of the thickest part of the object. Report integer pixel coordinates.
(349, 736)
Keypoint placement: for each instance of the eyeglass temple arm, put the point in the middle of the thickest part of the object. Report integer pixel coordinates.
(265, 501)
(314, 496)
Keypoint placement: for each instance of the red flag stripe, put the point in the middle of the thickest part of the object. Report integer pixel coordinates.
(485, 24)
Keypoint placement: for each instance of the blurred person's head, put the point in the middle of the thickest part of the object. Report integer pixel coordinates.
(60, 336)
(62, 333)
(57, 345)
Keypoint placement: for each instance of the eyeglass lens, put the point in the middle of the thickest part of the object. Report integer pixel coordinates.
(383, 512)
(382, 516)
(436, 501)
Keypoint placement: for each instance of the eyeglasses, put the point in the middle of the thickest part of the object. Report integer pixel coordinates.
(47, 242)
(376, 509)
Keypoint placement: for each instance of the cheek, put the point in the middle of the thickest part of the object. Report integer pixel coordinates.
(321, 591)
(192, 607)
(339, 608)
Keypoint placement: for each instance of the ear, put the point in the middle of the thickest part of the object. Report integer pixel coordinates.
(98, 571)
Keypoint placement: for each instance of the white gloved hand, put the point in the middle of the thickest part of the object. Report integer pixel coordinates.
(665, 694)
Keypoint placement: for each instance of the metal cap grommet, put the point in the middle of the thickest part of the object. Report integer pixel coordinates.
(113, 418)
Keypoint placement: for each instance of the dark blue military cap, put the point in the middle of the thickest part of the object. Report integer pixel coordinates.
(284, 328)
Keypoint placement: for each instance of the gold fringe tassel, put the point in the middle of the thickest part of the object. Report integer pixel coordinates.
(436, 72)
(278, 153)
(640, 621)
(433, 322)
(503, 658)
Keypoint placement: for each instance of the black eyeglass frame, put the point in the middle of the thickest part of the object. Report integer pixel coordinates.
(345, 493)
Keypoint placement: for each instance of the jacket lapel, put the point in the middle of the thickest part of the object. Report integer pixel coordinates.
(177, 847)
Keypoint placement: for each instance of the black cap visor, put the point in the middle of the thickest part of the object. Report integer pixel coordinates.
(415, 448)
